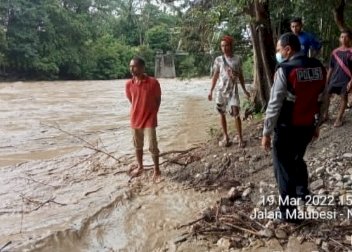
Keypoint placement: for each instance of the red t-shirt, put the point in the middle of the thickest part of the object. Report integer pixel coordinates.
(145, 101)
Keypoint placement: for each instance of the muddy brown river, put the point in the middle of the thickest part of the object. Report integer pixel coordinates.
(55, 197)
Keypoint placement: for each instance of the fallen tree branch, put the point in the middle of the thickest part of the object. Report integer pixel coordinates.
(346, 248)
(39, 203)
(7, 244)
(242, 229)
(90, 145)
(178, 151)
(90, 192)
(36, 181)
(190, 223)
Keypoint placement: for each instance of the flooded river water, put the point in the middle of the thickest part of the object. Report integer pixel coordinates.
(51, 200)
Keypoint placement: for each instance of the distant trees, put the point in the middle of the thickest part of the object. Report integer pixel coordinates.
(79, 39)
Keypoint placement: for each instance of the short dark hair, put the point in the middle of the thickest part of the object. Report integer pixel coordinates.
(296, 20)
(348, 32)
(139, 60)
(290, 39)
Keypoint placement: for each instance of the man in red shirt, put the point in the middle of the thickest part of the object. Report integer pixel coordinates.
(144, 94)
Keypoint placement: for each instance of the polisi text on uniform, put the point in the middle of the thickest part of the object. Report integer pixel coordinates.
(309, 74)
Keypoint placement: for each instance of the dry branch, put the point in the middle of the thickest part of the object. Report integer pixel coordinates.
(36, 181)
(178, 151)
(7, 244)
(191, 223)
(39, 203)
(88, 144)
(242, 229)
(94, 191)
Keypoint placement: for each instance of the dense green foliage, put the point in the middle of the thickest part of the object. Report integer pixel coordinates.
(94, 39)
(79, 39)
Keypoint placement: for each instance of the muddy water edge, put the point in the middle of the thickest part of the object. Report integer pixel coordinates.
(57, 195)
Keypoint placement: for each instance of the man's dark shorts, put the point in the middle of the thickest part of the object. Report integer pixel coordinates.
(341, 91)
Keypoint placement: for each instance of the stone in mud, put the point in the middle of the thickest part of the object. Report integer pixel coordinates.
(347, 240)
(322, 192)
(233, 194)
(255, 158)
(226, 210)
(273, 245)
(338, 177)
(318, 241)
(349, 171)
(347, 155)
(224, 243)
(346, 178)
(320, 170)
(249, 184)
(316, 185)
(295, 245)
(280, 234)
(246, 192)
(268, 233)
(263, 184)
(339, 184)
(270, 224)
(256, 244)
(346, 222)
(325, 247)
(241, 159)
(207, 166)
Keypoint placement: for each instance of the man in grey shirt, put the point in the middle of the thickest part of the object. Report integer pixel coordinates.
(293, 113)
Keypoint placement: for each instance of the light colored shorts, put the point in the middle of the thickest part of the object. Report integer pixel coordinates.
(226, 102)
(138, 139)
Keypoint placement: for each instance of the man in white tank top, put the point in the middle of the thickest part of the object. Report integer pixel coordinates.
(227, 70)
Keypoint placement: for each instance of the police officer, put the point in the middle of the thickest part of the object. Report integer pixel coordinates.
(294, 114)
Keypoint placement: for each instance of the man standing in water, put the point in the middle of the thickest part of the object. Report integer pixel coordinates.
(308, 41)
(144, 94)
(294, 113)
(339, 74)
(227, 69)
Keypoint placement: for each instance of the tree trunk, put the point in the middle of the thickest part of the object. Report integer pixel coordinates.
(264, 51)
(260, 99)
(338, 15)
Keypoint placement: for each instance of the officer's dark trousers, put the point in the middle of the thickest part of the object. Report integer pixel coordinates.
(289, 147)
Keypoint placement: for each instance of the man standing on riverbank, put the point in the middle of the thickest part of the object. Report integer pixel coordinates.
(227, 69)
(144, 94)
(339, 76)
(310, 45)
(294, 115)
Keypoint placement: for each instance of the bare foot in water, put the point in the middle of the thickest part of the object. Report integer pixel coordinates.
(136, 172)
(157, 177)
